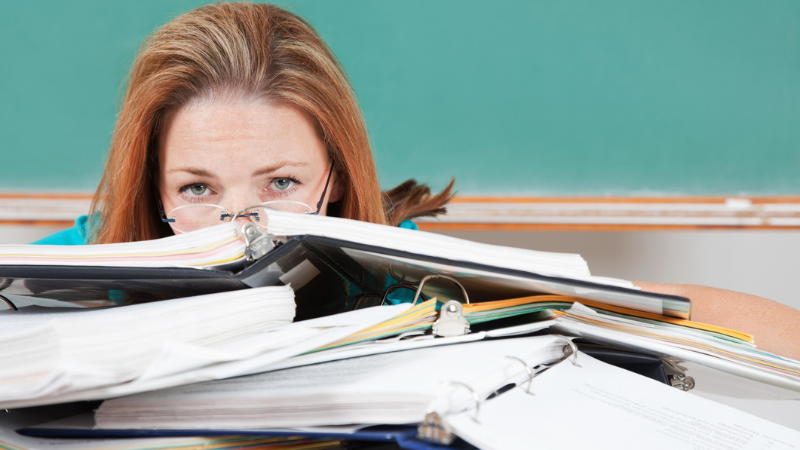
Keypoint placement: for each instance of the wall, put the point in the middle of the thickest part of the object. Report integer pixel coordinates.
(512, 97)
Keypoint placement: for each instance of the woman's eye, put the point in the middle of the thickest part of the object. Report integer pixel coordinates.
(197, 189)
(281, 184)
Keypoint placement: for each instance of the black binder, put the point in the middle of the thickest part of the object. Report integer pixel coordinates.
(329, 276)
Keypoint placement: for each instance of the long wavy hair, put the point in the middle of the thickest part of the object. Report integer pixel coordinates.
(259, 51)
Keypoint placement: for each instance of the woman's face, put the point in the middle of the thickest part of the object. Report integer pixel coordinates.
(240, 153)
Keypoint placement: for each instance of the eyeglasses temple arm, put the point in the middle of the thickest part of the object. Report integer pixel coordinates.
(324, 191)
(164, 217)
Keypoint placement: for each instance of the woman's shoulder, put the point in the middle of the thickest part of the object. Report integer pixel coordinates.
(408, 224)
(71, 236)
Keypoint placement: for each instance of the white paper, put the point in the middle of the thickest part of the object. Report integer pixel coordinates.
(46, 352)
(266, 348)
(388, 388)
(547, 263)
(210, 246)
(598, 406)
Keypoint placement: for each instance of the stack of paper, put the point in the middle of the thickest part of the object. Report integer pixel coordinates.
(541, 308)
(432, 244)
(206, 247)
(224, 244)
(49, 351)
(390, 388)
(89, 354)
(418, 318)
(705, 344)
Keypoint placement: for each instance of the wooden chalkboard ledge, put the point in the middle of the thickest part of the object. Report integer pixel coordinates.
(617, 214)
(45, 209)
(509, 213)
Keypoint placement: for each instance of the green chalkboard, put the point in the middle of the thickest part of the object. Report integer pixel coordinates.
(545, 97)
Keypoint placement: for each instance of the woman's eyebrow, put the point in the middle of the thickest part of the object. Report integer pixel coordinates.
(192, 170)
(273, 167)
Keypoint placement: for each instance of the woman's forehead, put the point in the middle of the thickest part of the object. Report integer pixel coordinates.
(240, 129)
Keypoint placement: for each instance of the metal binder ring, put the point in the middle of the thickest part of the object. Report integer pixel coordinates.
(474, 397)
(9, 303)
(571, 351)
(394, 287)
(430, 277)
(527, 369)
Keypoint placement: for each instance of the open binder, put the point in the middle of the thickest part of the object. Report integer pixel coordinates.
(352, 273)
(452, 397)
(539, 403)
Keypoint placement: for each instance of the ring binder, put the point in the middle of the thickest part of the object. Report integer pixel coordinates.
(435, 429)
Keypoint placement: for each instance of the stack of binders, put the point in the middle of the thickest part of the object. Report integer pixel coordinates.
(319, 332)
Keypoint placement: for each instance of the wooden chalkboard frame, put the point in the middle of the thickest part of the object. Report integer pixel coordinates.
(488, 213)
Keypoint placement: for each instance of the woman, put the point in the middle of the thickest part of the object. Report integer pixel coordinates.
(238, 104)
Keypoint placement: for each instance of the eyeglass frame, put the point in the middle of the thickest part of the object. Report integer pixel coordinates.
(254, 214)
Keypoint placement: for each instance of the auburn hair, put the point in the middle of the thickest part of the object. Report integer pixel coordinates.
(255, 51)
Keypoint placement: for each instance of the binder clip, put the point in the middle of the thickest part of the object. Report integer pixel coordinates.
(451, 321)
(676, 374)
(435, 429)
(258, 243)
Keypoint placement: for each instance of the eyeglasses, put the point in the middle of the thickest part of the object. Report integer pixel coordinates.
(195, 216)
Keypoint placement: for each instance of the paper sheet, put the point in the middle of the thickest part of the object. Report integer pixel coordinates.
(596, 405)
(256, 352)
(389, 388)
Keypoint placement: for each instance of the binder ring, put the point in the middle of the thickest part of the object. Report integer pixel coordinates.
(8, 302)
(400, 279)
(571, 351)
(474, 397)
(527, 369)
(430, 277)
(398, 286)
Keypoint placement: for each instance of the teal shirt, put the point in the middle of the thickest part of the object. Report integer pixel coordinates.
(77, 234)
(71, 236)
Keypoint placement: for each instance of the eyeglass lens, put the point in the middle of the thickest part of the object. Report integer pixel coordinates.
(194, 217)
